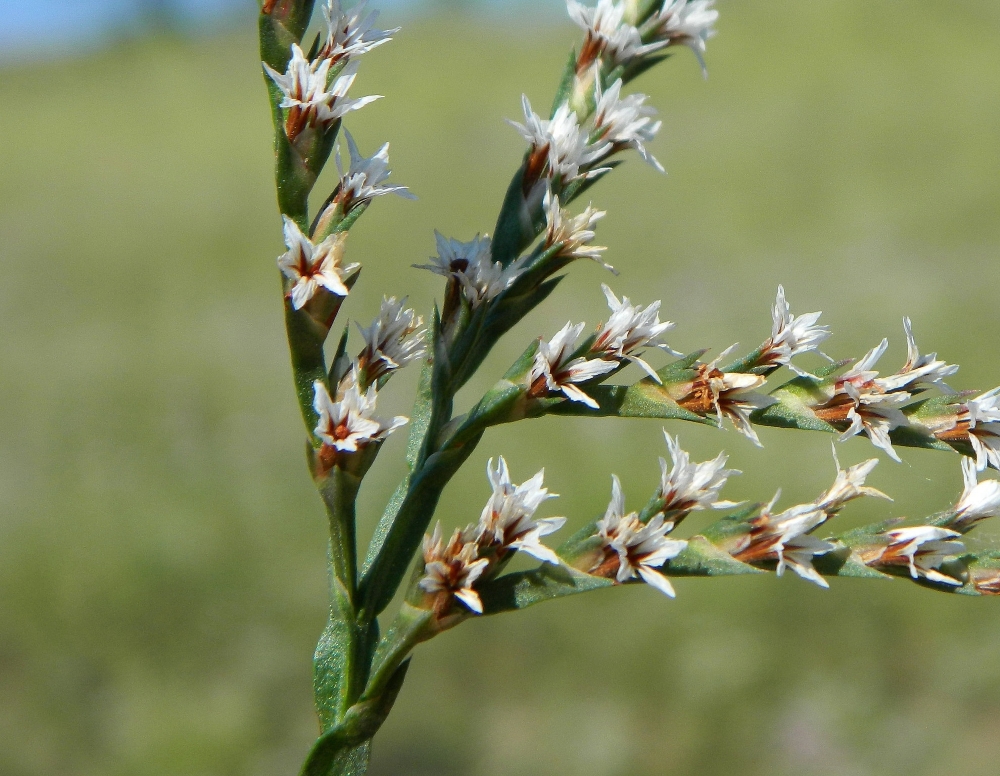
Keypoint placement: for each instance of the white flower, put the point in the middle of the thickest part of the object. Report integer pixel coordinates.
(641, 548)
(785, 538)
(364, 179)
(848, 486)
(791, 335)
(869, 407)
(686, 487)
(554, 370)
(349, 422)
(629, 329)
(351, 32)
(311, 267)
(573, 233)
(625, 122)
(452, 570)
(922, 549)
(876, 414)
(687, 22)
(471, 265)
(393, 340)
(728, 395)
(608, 32)
(508, 523)
(918, 370)
(561, 143)
(979, 501)
(983, 422)
(307, 97)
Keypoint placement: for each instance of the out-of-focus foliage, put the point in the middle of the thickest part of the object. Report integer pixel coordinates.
(162, 551)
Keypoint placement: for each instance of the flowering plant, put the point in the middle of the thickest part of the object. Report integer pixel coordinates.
(491, 284)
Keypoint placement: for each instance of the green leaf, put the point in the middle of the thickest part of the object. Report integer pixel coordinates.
(790, 412)
(701, 558)
(526, 588)
(565, 84)
(641, 400)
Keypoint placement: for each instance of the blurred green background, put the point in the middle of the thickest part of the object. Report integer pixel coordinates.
(162, 576)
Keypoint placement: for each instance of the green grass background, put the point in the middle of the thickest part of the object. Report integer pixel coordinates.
(161, 547)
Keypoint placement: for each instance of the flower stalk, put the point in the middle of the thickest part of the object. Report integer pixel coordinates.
(490, 284)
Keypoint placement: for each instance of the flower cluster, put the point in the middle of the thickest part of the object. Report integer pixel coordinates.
(364, 179)
(506, 525)
(565, 150)
(351, 33)
(557, 368)
(562, 364)
(470, 266)
(866, 403)
(311, 267)
(786, 538)
(633, 548)
(684, 22)
(570, 234)
(611, 32)
(393, 340)
(729, 395)
(791, 336)
(922, 549)
(315, 91)
(976, 423)
(687, 487)
(348, 423)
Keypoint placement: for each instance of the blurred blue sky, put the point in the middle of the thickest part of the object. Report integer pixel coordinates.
(42, 27)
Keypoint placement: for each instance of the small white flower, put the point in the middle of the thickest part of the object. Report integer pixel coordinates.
(686, 487)
(573, 233)
(979, 501)
(863, 402)
(306, 95)
(349, 422)
(625, 122)
(728, 395)
(555, 370)
(922, 549)
(351, 32)
(608, 32)
(848, 486)
(785, 538)
(393, 340)
(561, 143)
(365, 177)
(508, 522)
(629, 329)
(983, 422)
(918, 370)
(471, 265)
(984, 408)
(452, 569)
(641, 548)
(311, 267)
(685, 22)
(791, 335)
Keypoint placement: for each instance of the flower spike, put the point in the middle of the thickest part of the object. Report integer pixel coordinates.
(573, 233)
(626, 122)
(921, 549)
(791, 336)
